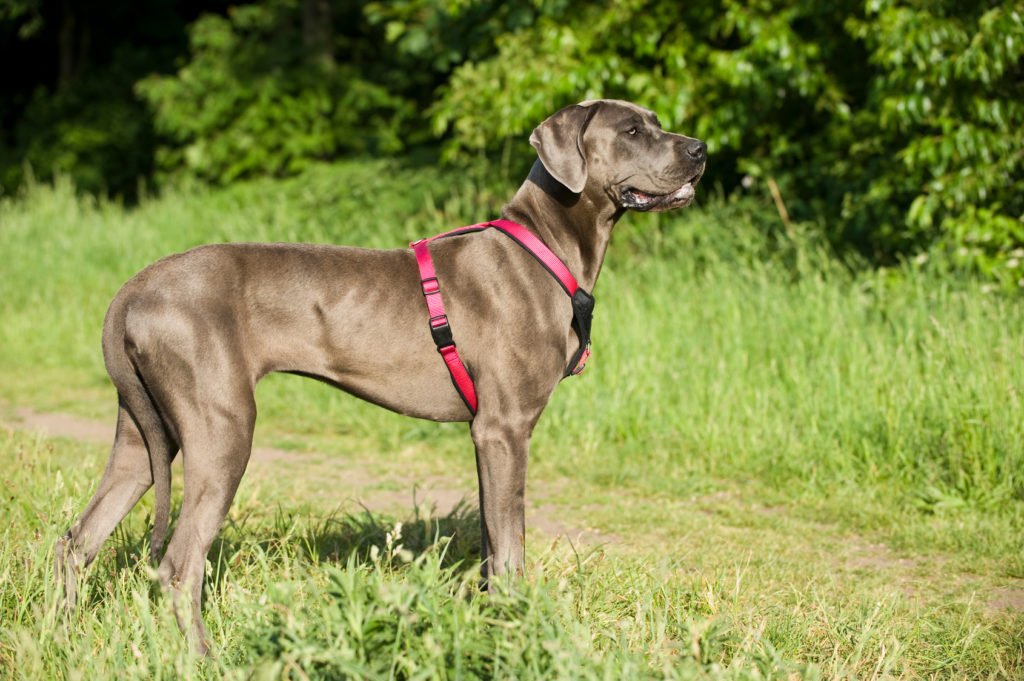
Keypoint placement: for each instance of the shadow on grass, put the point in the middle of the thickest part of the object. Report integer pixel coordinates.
(334, 538)
(262, 542)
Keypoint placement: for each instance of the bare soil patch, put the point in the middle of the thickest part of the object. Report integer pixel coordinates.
(551, 520)
(64, 425)
(389, 492)
(377, 484)
(1007, 598)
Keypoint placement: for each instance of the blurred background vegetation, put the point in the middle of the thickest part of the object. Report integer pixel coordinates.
(893, 128)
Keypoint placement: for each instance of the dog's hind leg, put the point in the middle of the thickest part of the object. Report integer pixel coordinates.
(216, 444)
(125, 479)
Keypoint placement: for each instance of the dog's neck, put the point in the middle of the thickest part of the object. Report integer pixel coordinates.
(577, 227)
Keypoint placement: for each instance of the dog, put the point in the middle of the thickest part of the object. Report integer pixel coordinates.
(186, 340)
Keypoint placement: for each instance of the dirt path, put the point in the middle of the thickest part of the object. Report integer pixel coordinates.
(350, 482)
(393, 485)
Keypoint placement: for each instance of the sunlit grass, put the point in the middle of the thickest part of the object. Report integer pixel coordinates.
(755, 411)
(297, 591)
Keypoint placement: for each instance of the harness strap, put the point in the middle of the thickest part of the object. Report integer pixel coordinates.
(582, 302)
(538, 249)
(440, 329)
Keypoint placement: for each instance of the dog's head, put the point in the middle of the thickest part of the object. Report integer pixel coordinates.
(620, 148)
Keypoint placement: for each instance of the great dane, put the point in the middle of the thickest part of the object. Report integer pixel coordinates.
(186, 340)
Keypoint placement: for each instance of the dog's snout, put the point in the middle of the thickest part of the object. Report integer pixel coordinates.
(696, 150)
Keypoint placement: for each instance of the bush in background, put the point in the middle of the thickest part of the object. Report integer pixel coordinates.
(66, 103)
(262, 93)
(894, 128)
(942, 131)
(900, 127)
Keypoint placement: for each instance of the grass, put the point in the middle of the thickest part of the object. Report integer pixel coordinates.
(808, 470)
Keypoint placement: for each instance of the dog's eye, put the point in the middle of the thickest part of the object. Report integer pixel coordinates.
(632, 131)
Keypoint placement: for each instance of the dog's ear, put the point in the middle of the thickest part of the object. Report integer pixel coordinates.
(559, 143)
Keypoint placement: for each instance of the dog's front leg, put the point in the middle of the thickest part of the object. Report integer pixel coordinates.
(502, 450)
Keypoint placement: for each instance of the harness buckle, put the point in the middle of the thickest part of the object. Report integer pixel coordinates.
(441, 332)
(430, 285)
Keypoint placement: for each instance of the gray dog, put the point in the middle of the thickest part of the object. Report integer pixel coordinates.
(187, 339)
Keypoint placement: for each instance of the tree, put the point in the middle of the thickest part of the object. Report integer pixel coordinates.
(66, 100)
(272, 87)
(942, 130)
(895, 126)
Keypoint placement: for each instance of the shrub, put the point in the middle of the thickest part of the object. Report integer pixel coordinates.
(255, 98)
(901, 126)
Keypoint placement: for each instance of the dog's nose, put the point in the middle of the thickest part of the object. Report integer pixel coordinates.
(696, 150)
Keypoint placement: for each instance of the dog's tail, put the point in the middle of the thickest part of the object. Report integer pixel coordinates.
(137, 400)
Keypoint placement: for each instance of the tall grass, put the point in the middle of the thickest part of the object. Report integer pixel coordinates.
(720, 350)
(736, 367)
(801, 374)
(297, 594)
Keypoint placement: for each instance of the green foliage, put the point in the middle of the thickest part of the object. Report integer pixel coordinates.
(66, 102)
(91, 131)
(763, 356)
(441, 34)
(943, 129)
(26, 12)
(742, 76)
(895, 126)
(906, 122)
(256, 98)
(253, 98)
(756, 406)
(296, 591)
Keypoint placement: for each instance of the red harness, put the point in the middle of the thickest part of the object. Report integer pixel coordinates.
(440, 329)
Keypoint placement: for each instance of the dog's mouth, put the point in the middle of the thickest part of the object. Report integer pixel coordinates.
(635, 199)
